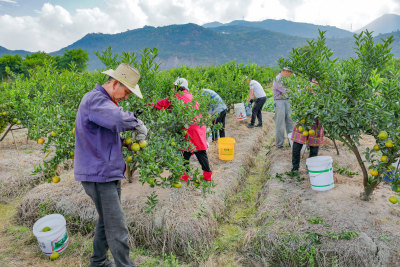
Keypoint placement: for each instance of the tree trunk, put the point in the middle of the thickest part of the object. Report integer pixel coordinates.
(6, 132)
(368, 188)
(337, 150)
(129, 173)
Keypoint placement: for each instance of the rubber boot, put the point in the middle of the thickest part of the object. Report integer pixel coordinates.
(185, 177)
(207, 176)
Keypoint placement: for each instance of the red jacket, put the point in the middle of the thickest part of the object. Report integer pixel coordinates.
(197, 134)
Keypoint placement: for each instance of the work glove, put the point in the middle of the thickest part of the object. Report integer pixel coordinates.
(139, 133)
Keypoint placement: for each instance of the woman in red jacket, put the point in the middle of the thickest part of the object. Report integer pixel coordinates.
(195, 133)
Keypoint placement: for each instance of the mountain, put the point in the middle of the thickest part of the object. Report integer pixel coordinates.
(305, 30)
(194, 45)
(5, 51)
(384, 24)
(212, 24)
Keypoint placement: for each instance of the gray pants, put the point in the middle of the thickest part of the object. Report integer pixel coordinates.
(111, 231)
(283, 122)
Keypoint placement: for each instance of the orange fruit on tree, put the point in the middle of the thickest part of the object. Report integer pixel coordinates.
(376, 147)
(311, 132)
(389, 143)
(305, 133)
(143, 144)
(128, 141)
(129, 159)
(135, 147)
(384, 158)
(374, 172)
(300, 128)
(302, 121)
(383, 135)
(40, 141)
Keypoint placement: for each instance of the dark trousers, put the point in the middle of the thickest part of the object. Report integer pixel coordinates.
(219, 119)
(111, 230)
(256, 111)
(201, 157)
(296, 150)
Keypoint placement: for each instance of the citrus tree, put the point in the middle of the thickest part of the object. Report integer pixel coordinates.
(228, 79)
(350, 99)
(46, 102)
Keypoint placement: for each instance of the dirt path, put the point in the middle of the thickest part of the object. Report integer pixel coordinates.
(177, 207)
(256, 206)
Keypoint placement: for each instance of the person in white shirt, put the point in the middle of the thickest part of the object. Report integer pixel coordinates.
(257, 92)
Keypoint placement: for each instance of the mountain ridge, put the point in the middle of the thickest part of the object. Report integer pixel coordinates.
(386, 23)
(194, 45)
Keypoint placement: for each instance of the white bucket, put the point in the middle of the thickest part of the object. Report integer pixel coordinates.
(289, 136)
(320, 172)
(55, 240)
(240, 111)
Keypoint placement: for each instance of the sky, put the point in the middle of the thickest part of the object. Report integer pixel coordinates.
(49, 25)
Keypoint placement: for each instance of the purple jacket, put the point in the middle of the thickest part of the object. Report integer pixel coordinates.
(98, 145)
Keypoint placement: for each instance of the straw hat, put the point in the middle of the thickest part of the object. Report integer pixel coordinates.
(128, 76)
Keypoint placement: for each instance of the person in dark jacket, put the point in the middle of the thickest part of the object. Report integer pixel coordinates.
(99, 162)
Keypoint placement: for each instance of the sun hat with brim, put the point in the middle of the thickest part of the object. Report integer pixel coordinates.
(128, 76)
(182, 82)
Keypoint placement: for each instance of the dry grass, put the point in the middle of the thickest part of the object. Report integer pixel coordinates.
(284, 235)
(184, 221)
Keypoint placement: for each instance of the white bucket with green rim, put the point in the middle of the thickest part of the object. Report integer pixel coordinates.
(54, 240)
(321, 172)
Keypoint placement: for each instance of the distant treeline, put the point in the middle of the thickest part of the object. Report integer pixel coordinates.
(19, 65)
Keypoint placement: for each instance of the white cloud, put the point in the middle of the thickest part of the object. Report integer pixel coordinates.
(344, 14)
(52, 27)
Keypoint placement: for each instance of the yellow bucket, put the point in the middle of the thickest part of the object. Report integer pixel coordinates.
(226, 148)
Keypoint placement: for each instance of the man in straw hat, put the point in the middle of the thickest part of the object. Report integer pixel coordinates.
(99, 163)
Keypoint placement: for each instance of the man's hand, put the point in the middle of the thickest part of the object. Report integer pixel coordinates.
(140, 132)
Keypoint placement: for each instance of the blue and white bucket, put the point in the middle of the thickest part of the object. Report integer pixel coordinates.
(321, 173)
